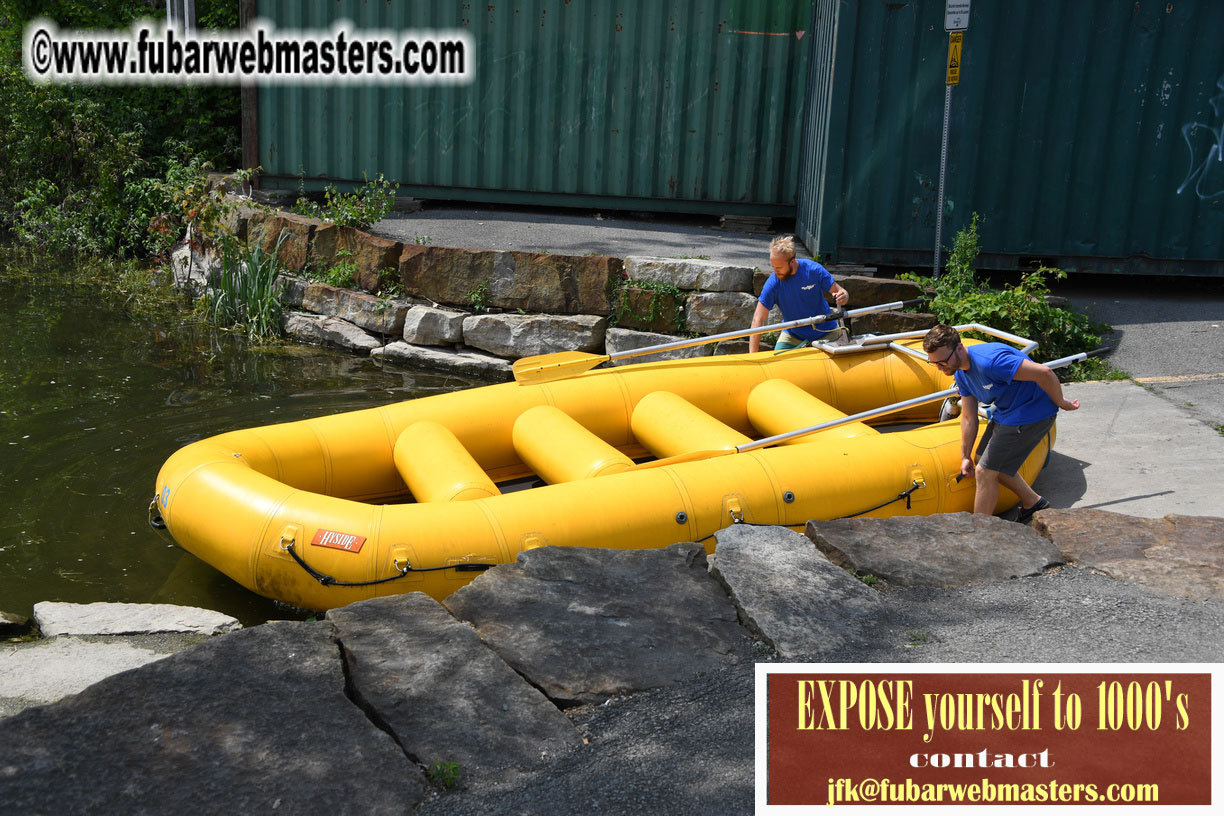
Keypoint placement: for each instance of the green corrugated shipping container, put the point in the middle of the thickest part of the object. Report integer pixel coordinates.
(1088, 134)
(687, 106)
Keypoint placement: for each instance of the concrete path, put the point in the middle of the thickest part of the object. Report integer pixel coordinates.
(1127, 450)
(576, 232)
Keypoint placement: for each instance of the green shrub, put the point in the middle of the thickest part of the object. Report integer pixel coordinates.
(1022, 309)
(1094, 368)
(367, 205)
(79, 164)
(478, 297)
(343, 273)
(662, 297)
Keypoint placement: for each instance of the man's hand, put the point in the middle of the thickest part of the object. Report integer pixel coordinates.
(759, 316)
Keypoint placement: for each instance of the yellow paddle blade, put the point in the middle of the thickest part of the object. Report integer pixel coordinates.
(544, 368)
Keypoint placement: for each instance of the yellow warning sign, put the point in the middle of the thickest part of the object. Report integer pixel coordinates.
(954, 56)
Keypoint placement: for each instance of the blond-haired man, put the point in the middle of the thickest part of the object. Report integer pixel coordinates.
(798, 287)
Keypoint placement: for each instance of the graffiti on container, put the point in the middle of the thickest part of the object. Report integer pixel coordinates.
(1206, 188)
(924, 205)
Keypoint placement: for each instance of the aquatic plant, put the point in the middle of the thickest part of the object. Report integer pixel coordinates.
(248, 291)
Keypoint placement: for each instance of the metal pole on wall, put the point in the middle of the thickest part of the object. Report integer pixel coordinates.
(956, 20)
(943, 167)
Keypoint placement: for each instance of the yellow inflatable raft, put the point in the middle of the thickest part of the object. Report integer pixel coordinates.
(423, 495)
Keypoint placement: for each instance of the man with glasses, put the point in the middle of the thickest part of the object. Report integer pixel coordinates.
(1026, 396)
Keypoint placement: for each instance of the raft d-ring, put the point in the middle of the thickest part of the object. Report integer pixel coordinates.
(395, 562)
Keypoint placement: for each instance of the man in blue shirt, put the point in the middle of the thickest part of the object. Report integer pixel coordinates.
(798, 287)
(1026, 396)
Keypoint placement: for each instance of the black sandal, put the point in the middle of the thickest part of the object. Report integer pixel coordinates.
(1026, 513)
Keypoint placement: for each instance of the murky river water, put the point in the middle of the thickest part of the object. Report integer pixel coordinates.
(93, 400)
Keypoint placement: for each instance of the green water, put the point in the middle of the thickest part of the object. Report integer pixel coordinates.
(94, 399)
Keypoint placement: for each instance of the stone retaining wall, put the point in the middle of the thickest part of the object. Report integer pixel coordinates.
(477, 310)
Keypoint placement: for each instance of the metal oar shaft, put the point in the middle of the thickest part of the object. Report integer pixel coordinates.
(875, 412)
(833, 423)
(732, 335)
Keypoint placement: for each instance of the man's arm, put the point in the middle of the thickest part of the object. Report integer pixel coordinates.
(840, 296)
(1047, 380)
(758, 319)
(969, 428)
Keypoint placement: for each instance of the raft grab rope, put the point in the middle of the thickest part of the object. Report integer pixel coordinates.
(406, 569)
(918, 484)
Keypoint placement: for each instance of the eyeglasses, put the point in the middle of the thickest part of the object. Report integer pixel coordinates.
(945, 360)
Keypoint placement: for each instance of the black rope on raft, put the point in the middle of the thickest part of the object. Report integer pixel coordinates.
(328, 580)
(905, 494)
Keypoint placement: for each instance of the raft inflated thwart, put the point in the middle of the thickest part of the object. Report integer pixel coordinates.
(423, 495)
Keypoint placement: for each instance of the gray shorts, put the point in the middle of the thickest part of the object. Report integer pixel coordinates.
(1005, 447)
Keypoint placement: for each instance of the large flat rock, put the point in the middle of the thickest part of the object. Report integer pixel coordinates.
(946, 550)
(468, 361)
(252, 722)
(1180, 556)
(585, 625)
(55, 618)
(789, 593)
(44, 671)
(445, 696)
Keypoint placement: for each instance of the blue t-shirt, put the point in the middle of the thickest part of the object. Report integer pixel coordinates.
(989, 379)
(802, 295)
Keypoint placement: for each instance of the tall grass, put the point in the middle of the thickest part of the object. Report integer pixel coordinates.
(248, 293)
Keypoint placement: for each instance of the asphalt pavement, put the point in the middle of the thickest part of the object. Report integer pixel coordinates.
(577, 232)
(1168, 335)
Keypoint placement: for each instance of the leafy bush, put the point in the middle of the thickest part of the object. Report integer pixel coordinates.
(1022, 309)
(359, 209)
(79, 164)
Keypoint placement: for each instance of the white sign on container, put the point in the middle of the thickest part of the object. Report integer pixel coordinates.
(956, 15)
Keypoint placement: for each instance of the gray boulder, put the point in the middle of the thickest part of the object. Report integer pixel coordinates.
(789, 593)
(129, 618)
(618, 340)
(443, 695)
(475, 363)
(514, 335)
(253, 722)
(718, 312)
(946, 550)
(585, 625)
(374, 314)
(431, 326)
(329, 331)
(692, 274)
